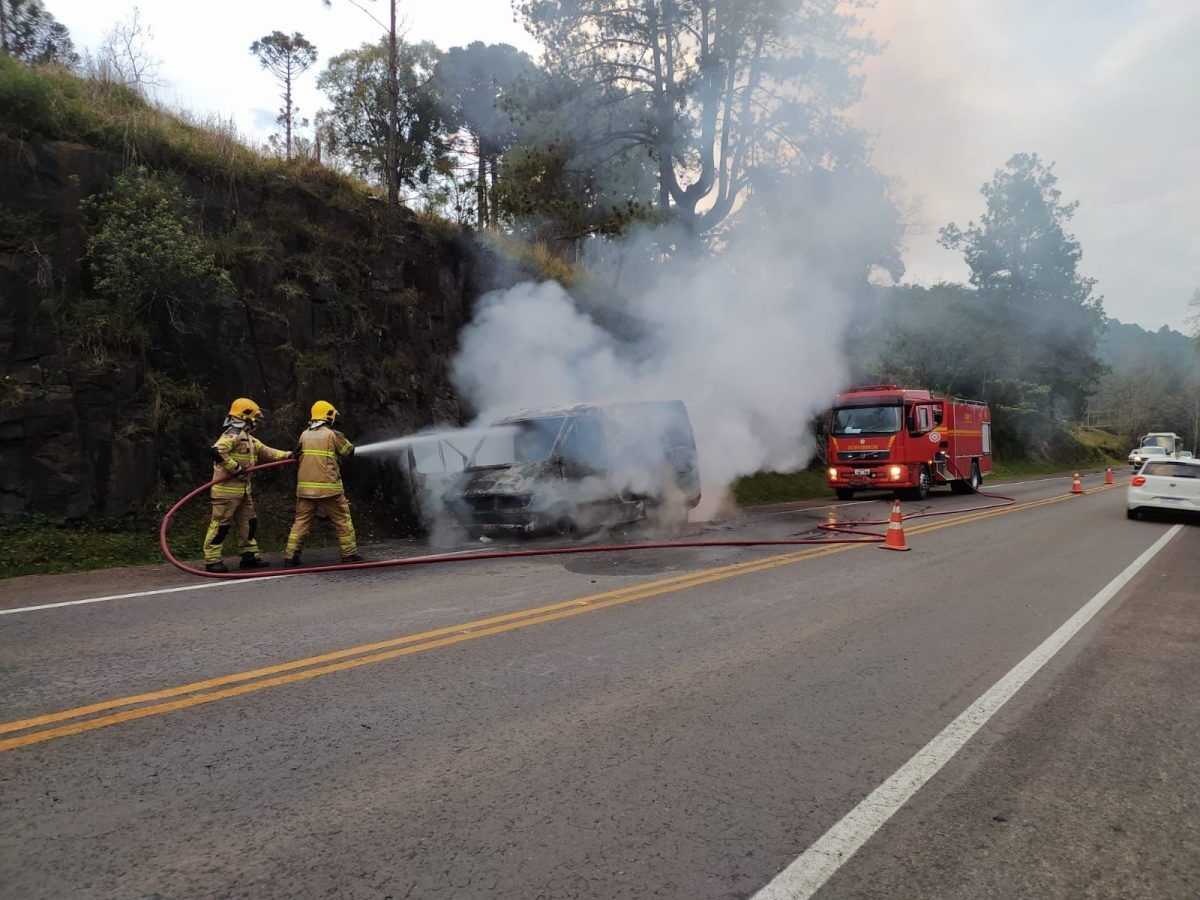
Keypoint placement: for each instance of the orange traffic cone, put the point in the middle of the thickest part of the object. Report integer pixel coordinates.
(1108, 477)
(1076, 485)
(894, 540)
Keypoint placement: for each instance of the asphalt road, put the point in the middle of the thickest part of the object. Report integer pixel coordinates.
(664, 724)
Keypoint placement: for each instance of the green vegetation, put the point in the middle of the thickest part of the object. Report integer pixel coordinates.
(149, 266)
(38, 546)
(780, 487)
(54, 103)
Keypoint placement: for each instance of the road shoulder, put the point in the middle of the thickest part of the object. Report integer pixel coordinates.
(1086, 786)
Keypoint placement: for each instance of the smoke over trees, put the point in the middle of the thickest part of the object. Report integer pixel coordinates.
(1025, 262)
(716, 90)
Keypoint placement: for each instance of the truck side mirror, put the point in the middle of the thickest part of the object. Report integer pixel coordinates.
(938, 415)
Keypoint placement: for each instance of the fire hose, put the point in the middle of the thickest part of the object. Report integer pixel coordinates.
(854, 529)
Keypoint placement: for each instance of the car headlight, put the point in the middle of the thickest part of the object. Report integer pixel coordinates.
(833, 474)
(896, 472)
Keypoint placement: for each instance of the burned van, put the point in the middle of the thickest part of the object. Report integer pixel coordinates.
(578, 469)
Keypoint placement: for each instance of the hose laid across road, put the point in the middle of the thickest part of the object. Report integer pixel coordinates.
(855, 529)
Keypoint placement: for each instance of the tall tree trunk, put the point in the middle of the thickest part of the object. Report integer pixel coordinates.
(393, 183)
(481, 192)
(287, 114)
(4, 25)
(493, 206)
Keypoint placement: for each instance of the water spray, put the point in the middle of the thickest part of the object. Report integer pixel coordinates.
(462, 440)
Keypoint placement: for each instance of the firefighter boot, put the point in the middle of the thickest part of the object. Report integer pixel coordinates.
(217, 566)
(252, 561)
(292, 562)
(352, 559)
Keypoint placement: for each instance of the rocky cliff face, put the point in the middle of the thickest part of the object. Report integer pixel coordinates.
(326, 306)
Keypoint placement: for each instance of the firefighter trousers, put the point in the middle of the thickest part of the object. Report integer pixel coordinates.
(227, 513)
(337, 509)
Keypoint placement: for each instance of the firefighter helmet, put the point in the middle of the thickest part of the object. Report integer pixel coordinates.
(323, 411)
(245, 409)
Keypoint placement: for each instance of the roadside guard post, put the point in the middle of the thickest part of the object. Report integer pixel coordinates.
(1076, 485)
(895, 531)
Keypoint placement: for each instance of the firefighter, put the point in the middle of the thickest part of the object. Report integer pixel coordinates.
(319, 488)
(232, 504)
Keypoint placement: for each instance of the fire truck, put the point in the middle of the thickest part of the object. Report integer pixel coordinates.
(884, 437)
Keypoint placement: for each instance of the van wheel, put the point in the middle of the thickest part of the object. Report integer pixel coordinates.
(562, 522)
(844, 493)
(1134, 514)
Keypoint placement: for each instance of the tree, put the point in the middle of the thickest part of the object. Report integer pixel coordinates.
(1024, 262)
(31, 34)
(391, 165)
(561, 188)
(125, 54)
(721, 88)
(149, 269)
(358, 121)
(286, 58)
(475, 85)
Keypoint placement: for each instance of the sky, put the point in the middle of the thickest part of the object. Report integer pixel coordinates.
(1108, 90)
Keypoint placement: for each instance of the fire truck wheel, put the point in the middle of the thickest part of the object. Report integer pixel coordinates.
(921, 491)
(970, 484)
(844, 493)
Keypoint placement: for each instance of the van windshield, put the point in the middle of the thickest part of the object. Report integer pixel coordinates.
(529, 440)
(866, 420)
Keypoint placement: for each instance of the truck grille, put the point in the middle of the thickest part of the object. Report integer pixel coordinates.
(862, 455)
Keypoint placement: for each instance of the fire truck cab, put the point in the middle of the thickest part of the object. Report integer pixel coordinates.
(884, 437)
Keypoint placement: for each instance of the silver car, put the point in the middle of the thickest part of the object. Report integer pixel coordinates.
(1142, 454)
(1166, 484)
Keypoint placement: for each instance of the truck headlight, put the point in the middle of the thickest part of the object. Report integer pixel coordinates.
(833, 474)
(896, 472)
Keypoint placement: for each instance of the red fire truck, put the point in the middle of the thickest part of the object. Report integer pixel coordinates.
(884, 437)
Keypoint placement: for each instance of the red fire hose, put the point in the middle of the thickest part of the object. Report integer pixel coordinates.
(849, 528)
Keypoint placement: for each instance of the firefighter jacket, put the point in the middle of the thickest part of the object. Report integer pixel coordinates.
(321, 451)
(234, 451)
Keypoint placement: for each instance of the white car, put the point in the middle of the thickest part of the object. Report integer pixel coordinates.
(1172, 484)
(1141, 454)
(1184, 454)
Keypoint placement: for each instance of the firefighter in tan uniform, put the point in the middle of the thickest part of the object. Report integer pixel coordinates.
(319, 488)
(232, 504)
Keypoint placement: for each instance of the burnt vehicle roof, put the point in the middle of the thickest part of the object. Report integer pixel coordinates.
(554, 412)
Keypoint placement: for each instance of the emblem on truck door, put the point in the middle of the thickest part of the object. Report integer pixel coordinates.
(934, 437)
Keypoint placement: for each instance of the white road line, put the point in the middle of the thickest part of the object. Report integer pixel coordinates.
(809, 872)
(224, 582)
(173, 590)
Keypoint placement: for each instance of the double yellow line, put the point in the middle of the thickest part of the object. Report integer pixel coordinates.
(39, 729)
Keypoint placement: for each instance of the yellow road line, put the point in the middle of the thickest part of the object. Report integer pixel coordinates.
(353, 657)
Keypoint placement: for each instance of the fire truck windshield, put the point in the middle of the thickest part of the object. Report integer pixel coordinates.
(866, 420)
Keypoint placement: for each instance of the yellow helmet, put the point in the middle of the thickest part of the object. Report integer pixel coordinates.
(245, 409)
(323, 410)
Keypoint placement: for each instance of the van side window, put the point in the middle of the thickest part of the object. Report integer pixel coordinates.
(584, 444)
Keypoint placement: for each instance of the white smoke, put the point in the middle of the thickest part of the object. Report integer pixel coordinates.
(750, 337)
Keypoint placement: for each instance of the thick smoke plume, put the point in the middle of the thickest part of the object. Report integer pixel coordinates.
(749, 335)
